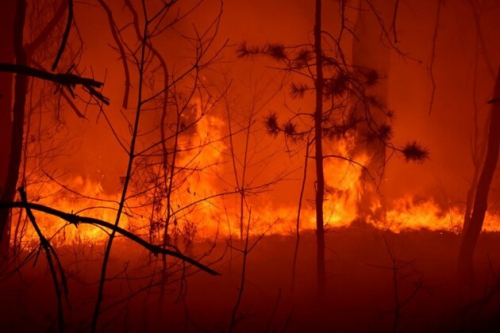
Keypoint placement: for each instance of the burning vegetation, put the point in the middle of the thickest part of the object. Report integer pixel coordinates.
(249, 166)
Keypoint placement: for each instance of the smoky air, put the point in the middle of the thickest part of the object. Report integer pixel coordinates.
(249, 166)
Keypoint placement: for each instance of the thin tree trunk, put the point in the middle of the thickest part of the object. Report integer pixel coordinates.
(14, 59)
(297, 224)
(320, 178)
(14, 122)
(128, 176)
(471, 234)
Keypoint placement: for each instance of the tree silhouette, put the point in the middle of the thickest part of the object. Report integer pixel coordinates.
(338, 87)
(24, 64)
(18, 61)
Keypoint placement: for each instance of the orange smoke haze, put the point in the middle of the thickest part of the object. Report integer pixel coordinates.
(88, 165)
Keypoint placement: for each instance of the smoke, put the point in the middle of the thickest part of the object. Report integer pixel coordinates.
(461, 72)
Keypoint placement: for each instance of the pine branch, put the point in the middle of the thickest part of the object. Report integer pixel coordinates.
(297, 90)
(414, 151)
(271, 123)
(276, 51)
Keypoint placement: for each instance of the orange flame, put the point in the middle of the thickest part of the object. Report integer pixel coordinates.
(206, 213)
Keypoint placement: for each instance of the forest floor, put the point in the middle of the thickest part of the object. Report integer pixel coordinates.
(377, 281)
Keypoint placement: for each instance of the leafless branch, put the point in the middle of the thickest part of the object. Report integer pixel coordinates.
(65, 35)
(76, 219)
(121, 49)
(49, 252)
(433, 54)
(66, 80)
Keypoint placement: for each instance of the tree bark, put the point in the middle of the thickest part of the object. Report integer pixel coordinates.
(6, 81)
(12, 139)
(471, 234)
(320, 178)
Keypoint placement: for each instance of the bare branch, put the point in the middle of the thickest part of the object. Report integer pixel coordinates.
(76, 219)
(433, 55)
(121, 49)
(65, 35)
(67, 80)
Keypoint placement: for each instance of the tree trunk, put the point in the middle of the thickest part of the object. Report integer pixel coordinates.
(369, 52)
(6, 82)
(14, 57)
(471, 234)
(320, 178)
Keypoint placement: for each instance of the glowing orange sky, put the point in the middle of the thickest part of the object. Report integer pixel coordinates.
(447, 132)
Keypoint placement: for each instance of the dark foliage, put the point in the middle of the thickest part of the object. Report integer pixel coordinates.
(342, 83)
(371, 77)
(382, 133)
(297, 90)
(271, 123)
(276, 51)
(290, 129)
(244, 50)
(302, 59)
(414, 151)
(337, 85)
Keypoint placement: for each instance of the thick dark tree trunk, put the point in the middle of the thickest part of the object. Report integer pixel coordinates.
(6, 85)
(320, 178)
(471, 234)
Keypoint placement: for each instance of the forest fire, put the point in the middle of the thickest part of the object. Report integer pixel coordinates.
(212, 220)
(249, 166)
(211, 210)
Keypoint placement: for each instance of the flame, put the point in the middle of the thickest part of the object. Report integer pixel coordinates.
(204, 209)
(87, 198)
